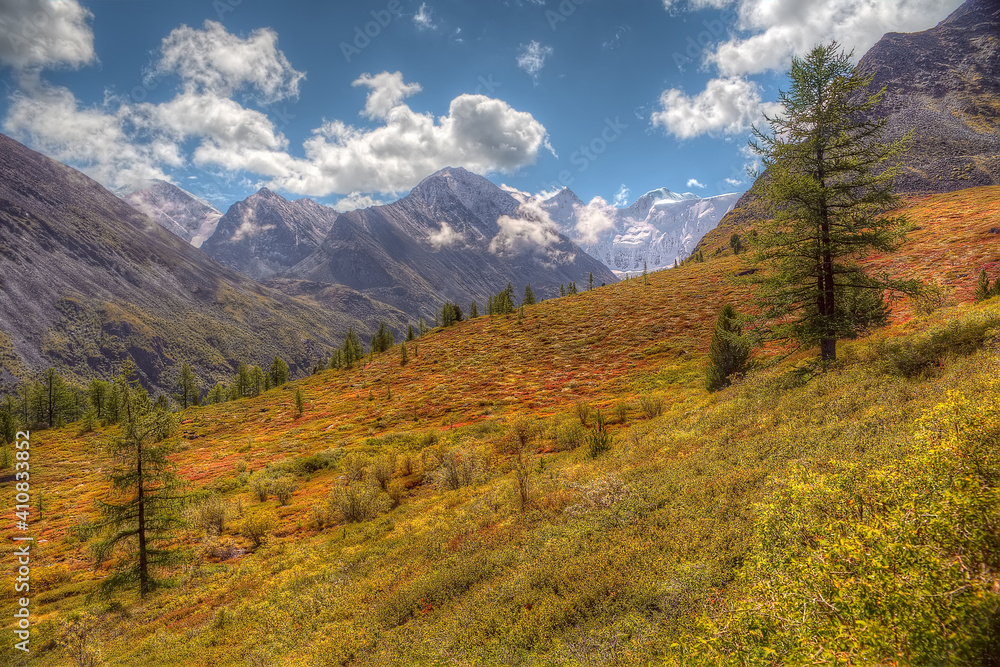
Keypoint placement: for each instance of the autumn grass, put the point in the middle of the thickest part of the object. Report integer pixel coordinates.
(631, 557)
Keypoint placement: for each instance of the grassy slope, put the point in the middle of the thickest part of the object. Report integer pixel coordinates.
(618, 554)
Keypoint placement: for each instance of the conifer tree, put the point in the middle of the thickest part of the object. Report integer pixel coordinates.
(562, 290)
(299, 402)
(983, 289)
(736, 243)
(729, 350)
(590, 281)
(142, 508)
(97, 396)
(473, 311)
(403, 358)
(383, 339)
(217, 394)
(352, 351)
(572, 288)
(409, 331)
(278, 372)
(829, 180)
(529, 296)
(187, 384)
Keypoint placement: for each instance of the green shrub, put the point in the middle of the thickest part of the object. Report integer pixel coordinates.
(258, 527)
(599, 440)
(569, 435)
(583, 412)
(925, 351)
(729, 350)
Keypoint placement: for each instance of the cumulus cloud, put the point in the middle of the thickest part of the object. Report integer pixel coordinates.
(445, 237)
(49, 119)
(695, 183)
(785, 28)
(734, 181)
(422, 19)
(530, 231)
(38, 34)
(354, 201)
(770, 33)
(387, 92)
(215, 61)
(124, 144)
(532, 58)
(479, 133)
(726, 106)
(594, 219)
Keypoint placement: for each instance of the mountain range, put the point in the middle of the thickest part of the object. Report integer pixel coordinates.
(86, 281)
(189, 217)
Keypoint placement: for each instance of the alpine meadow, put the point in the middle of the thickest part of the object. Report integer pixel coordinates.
(303, 362)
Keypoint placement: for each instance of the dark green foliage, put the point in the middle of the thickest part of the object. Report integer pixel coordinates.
(473, 311)
(572, 288)
(729, 350)
(599, 440)
(142, 507)
(189, 392)
(529, 296)
(926, 352)
(863, 306)
(736, 243)
(830, 179)
(299, 403)
(278, 372)
(217, 394)
(98, 394)
(403, 356)
(502, 303)
(983, 289)
(590, 282)
(383, 339)
(451, 314)
(352, 351)
(562, 290)
(409, 330)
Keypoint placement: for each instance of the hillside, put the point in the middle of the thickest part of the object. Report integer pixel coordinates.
(657, 551)
(88, 281)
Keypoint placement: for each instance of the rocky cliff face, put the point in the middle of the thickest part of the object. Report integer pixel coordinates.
(180, 212)
(944, 83)
(456, 236)
(265, 234)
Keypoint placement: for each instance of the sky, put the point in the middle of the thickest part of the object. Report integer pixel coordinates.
(353, 103)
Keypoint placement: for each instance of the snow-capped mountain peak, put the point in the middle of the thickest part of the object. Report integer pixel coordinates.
(186, 215)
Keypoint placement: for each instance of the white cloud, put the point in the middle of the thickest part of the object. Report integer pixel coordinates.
(49, 119)
(785, 28)
(726, 106)
(621, 197)
(530, 231)
(213, 60)
(422, 19)
(695, 183)
(532, 57)
(593, 219)
(387, 92)
(36, 34)
(354, 201)
(734, 181)
(445, 237)
(479, 133)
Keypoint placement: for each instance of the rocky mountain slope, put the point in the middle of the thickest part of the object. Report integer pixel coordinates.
(944, 83)
(456, 236)
(87, 281)
(659, 227)
(265, 234)
(189, 217)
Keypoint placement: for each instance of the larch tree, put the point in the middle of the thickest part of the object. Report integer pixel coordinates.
(187, 385)
(144, 502)
(829, 183)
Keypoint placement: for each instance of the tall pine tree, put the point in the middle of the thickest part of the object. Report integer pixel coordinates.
(829, 182)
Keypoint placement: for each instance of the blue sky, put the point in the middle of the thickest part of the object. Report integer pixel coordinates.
(353, 103)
